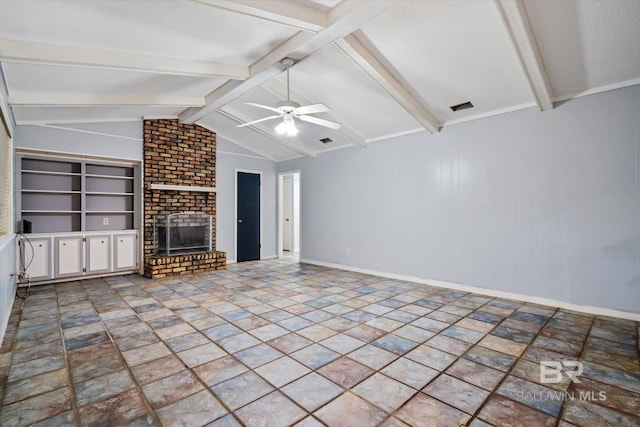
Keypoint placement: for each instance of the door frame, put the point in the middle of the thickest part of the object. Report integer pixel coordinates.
(297, 227)
(235, 209)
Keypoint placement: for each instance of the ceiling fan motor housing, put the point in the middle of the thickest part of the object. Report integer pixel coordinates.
(286, 107)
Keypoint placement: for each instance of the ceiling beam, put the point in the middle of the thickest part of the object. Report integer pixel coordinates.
(516, 22)
(49, 54)
(101, 100)
(263, 130)
(238, 142)
(343, 19)
(285, 12)
(361, 51)
(280, 90)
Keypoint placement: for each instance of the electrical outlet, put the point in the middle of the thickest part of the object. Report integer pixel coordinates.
(105, 221)
(347, 251)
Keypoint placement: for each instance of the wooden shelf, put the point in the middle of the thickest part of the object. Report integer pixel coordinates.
(106, 193)
(92, 175)
(53, 191)
(32, 211)
(51, 173)
(108, 212)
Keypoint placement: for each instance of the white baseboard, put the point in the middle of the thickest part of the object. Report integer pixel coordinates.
(269, 257)
(231, 261)
(483, 291)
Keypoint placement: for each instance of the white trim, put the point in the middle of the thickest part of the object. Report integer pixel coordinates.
(395, 135)
(90, 132)
(235, 208)
(231, 153)
(279, 213)
(231, 261)
(601, 311)
(28, 99)
(292, 14)
(598, 89)
(91, 120)
(25, 52)
(63, 154)
(270, 257)
(239, 143)
(490, 113)
(181, 188)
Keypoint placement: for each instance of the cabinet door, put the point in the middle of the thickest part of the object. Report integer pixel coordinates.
(68, 256)
(37, 257)
(126, 253)
(98, 256)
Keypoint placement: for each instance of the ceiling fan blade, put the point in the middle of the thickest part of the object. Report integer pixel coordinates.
(258, 121)
(311, 109)
(321, 122)
(266, 107)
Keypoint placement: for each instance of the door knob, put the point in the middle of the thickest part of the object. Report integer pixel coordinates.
(239, 221)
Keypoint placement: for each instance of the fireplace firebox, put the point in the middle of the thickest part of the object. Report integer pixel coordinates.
(182, 233)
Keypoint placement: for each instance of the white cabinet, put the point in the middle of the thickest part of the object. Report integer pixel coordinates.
(98, 254)
(36, 255)
(68, 256)
(126, 254)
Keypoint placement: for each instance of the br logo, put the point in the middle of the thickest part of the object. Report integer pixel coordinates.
(551, 372)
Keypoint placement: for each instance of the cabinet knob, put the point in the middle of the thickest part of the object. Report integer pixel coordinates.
(40, 245)
(64, 244)
(102, 241)
(121, 241)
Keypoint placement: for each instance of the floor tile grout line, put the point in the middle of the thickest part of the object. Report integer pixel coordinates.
(146, 402)
(494, 392)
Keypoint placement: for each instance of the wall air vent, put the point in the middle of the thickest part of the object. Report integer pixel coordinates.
(463, 106)
(326, 140)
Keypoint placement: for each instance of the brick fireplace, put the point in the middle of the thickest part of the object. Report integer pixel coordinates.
(183, 156)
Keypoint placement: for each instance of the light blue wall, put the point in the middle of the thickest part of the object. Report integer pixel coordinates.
(544, 204)
(7, 283)
(230, 157)
(121, 140)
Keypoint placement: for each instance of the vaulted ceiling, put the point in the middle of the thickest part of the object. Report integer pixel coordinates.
(384, 68)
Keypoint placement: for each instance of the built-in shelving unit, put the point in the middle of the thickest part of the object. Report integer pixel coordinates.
(60, 195)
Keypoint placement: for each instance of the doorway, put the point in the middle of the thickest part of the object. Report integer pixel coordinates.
(248, 215)
(289, 214)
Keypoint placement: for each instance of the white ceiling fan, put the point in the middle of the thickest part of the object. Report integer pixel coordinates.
(288, 110)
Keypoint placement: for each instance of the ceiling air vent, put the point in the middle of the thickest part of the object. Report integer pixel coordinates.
(463, 106)
(326, 140)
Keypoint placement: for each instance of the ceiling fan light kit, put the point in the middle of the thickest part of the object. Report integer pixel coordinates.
(288, 110)
(287, 127)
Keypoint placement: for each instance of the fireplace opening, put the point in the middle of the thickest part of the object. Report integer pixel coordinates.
(182, 233)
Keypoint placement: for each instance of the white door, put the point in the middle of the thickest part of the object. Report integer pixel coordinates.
(40, 265)
(286, 215)
(68, 256)
(125, 254)
(98, 254)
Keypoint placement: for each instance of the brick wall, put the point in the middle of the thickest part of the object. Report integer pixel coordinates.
(178, 154)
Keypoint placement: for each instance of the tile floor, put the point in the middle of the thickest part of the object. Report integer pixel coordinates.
(279, 343)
